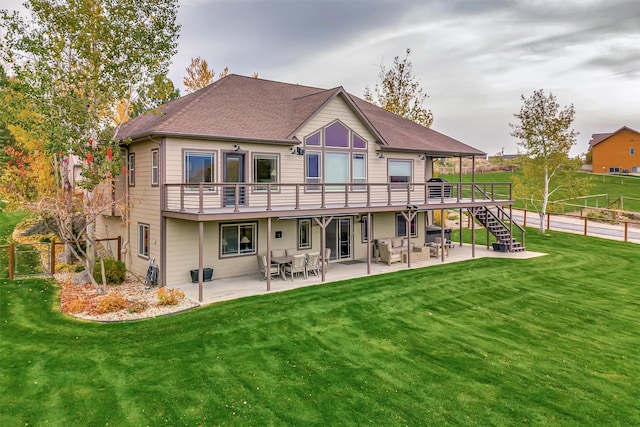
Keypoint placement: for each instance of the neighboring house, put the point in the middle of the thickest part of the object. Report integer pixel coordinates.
(616, 152)
(245, 165)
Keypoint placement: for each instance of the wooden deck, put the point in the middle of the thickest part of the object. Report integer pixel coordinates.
(213, 201)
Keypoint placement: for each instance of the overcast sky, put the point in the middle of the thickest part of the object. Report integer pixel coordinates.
(474, 58)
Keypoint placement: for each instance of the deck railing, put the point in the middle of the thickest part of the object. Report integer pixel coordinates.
(209, 197)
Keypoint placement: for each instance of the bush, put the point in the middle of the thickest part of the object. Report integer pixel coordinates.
(137, 306)
(78, 305)
(169, 296)
(111, 303)
(115, 271)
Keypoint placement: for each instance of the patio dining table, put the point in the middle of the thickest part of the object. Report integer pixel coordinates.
(282, 261)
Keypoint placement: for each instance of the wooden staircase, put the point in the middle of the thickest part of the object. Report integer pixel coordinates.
(492, 222)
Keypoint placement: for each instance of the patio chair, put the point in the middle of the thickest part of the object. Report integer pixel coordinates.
(273, 270)
(327, 256)
(277, 253)
(290, 252)
(297, 266)
(387, 256)
(438, 247)
(313, 264)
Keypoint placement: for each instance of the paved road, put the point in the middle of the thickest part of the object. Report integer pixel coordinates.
(576, 225)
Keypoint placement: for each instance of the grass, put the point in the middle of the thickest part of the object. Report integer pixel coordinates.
(613, 185)
(547, 341)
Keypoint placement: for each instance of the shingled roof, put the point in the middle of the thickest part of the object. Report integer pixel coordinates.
(597, 138)
(244, 108)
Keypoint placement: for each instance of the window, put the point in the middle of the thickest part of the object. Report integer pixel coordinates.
(313, 140)
(143, 240)
(336, 135)
(632, 151)
(365, 228)
(313, 168)
(399, 170)
(199, 167)
(265, 169)
(401, 226)
(359, 142)
(344, 161)
(238, 239)
(131, 169)
(336, 169)
(614, 170)
(304, 233)
(154, 167)
(359, 170)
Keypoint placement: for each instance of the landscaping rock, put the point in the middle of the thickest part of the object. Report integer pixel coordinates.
(81, 278)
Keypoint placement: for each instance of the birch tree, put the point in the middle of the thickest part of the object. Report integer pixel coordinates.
(74, 62)
(546, 137)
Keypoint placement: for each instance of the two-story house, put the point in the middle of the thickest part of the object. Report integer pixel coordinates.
(246, 165)
(616, 152)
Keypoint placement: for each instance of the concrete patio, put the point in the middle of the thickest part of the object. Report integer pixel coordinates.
(243, 286)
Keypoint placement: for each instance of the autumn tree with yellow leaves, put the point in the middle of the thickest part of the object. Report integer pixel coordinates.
(71, 65)
(397, 91)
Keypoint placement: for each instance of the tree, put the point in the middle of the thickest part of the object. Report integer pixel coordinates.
(199, 75)
(160, 92)
(73, 63)
(545, 134)
(397, 91)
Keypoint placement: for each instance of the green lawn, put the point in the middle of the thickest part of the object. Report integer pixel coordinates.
(613, 185)
(547, 341)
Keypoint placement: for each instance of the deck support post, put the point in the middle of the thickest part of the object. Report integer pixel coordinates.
(200, 260)
(473, 233)
(369, 237)
(408, 217)
(323, 222)
(268, 266)
(442, 239)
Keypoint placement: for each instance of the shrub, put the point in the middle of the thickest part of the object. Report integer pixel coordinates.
(169, 296)
(115, 271)
(137, 306)
(111, 303)
(63, 267)
(78, 305)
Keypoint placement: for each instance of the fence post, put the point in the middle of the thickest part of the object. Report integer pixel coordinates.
(525, 218)
(548, 221)
(626, 230)
(585, 225)
(11, 260)
(52, 256)
(119, 248)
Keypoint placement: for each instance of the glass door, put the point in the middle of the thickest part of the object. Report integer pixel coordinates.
(233, 172)
(339, 238)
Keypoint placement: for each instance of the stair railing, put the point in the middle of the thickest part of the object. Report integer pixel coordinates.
(504, 213)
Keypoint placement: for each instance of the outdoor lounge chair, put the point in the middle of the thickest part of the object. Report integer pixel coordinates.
(297, 266)
(273, 270)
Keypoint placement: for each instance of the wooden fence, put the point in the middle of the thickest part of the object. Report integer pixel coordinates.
(52, 253)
